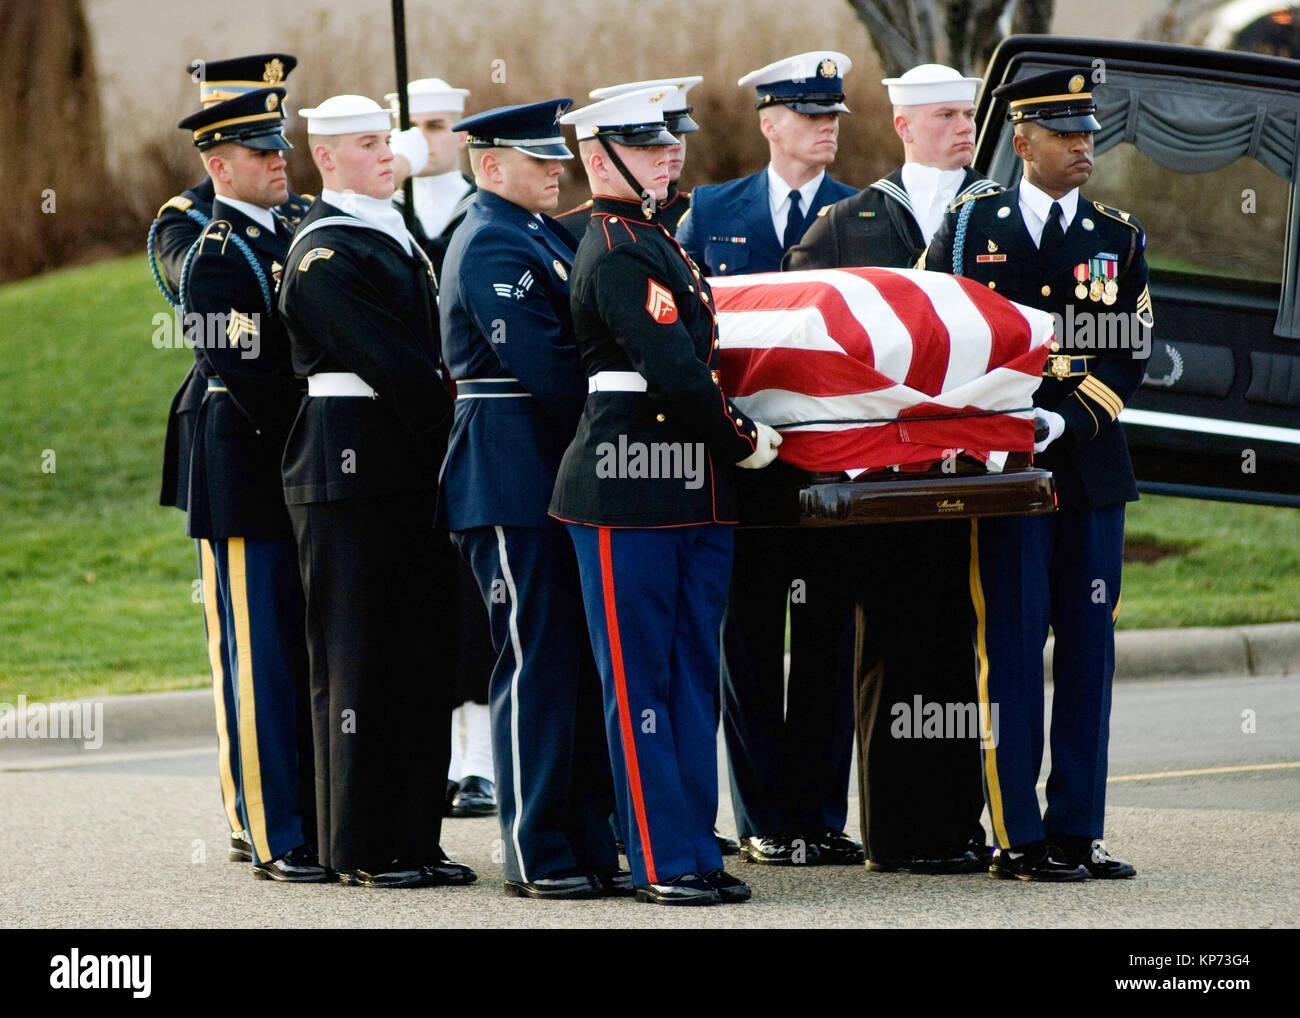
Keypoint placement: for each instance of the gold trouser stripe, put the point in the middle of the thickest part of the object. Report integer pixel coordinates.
(212, 616)
(1115, 614)
(1103, 394)
(981, 633)
(249, 764)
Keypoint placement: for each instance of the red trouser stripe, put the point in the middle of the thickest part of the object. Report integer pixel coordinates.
(620, 692)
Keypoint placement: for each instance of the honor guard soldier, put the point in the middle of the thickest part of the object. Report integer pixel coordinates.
(1046, 245)
(171, 236)
(646, 489)
(443, 194)
(920, 800)
(678, 123)
(509, 345)
(360, 475)
(789, 762)
(251, 590)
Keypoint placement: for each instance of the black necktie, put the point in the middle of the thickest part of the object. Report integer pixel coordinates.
(1052, 234)
(793, 223)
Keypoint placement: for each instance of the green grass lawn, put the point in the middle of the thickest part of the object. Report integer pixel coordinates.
(96, 579)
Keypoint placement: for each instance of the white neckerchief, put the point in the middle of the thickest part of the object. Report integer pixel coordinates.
(377, 212)
(254, 212)
(436, 198)
(932, 191)
(778, 199)
(1035, 203)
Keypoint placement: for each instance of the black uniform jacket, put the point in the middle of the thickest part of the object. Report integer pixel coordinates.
(354, 301)
(664, 457)
(179, 223)
(1090, 460)
(873, 227)
(249, 394)
(669, 213)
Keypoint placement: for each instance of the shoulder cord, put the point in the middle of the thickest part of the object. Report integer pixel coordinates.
(959, 237)
(163, 288)
(253, 263)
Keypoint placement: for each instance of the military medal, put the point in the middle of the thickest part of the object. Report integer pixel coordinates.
(1080, 276)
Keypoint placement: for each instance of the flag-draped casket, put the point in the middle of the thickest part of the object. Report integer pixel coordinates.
(866, 368)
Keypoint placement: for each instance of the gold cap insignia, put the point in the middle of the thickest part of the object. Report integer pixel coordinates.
(273, 73)
(827, 68)
(272, 101)
(1076, 83)
(657, 97)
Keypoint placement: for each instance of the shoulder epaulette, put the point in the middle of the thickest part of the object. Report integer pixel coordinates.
(177, 201)
(1117, 215)
(996, 189)
(217, 231)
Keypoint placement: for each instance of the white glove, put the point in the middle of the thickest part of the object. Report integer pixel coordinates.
(1055, 427)
(412, 146)
(765, 451)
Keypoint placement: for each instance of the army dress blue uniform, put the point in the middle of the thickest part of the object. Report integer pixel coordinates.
(508, 343)
(654, 549)
(1061, 570)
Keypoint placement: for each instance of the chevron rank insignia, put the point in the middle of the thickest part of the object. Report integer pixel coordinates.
(315, 254)
(238, 326)
(518, 290)
(660, 304)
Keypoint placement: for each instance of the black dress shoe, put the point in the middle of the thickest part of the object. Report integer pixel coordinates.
(727, 846)
(297, 866)
(835, 848)
(241, 849)
(730, 889)
(1092, 855)
(687, 889)
(397, 873)
(1034, 861)
(939, 862)
(445, 873)
(477, 797)
(554, 888)
(615, 884)
(780, 850)
(981, 851)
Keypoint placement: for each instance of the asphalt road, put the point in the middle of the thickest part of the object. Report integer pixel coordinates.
(1208, 813)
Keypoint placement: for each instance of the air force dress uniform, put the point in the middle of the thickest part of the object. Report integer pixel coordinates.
(782, 792)
(360, 474)
(1061, 570)
(920, 800)
(653, 545)
(508, 343)
(236, 510)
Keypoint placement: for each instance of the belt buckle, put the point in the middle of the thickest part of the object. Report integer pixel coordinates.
(1060, 365)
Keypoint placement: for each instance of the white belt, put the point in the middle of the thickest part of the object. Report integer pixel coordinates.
(338, 383)
(617, 381)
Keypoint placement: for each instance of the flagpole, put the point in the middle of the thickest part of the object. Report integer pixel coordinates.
(403, 104)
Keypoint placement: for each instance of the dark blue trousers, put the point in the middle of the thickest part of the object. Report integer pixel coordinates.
(548, 743)
(259, 600)
(223, 689)
(654, 602)
(1029, 573)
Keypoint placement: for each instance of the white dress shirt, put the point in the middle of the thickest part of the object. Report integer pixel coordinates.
(254, 212)
(778, 198)
(931, 191)
(1035, 203)
(378, 212)
(436, 199)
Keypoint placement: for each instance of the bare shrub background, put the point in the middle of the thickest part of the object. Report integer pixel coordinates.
(559, 48)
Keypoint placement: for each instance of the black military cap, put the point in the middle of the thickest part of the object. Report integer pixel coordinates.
(220, 80)
(254, 120)
(1059, 100)
(533, 128)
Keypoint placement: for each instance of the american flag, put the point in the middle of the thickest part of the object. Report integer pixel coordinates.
(861, 369)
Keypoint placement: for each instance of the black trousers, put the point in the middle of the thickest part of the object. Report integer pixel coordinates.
(919, 785)
(378, 581)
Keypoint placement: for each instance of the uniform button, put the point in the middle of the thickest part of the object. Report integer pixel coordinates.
(722, 267)
(690, 289)
(1046, 291)
(717, 344)
(660, 418)
(613, 219)
(1055, 347)
(992, 285)
(739, 423)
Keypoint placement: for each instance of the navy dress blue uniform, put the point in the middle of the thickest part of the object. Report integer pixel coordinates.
(508, 344)
(252, 594)
(654, 550)
(919, 800)
(789, 763)
(1061, 570)
(360, 476)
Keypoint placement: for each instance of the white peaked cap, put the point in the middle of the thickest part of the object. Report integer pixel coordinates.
(801, 66)
(683, 85)
(347, 114)
(642, 107)
(931, 83)
(430, 95)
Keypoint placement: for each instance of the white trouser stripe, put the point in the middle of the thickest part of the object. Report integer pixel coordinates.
(517, 648)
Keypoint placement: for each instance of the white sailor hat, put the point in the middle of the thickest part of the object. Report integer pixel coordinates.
(633, 118)
(810, 83)
(677, 113)
(931, 83)
(347, 114)
(430, 95)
